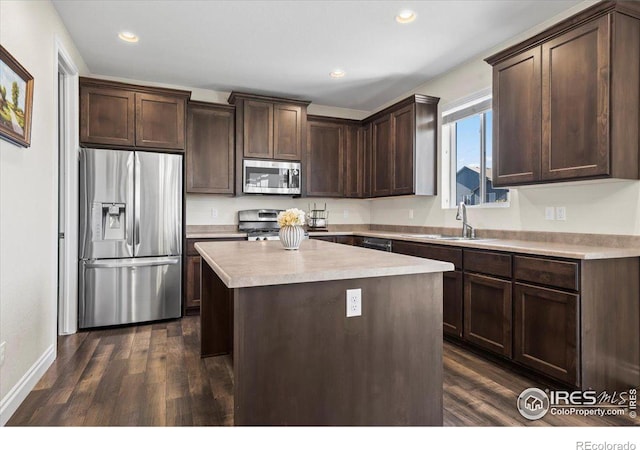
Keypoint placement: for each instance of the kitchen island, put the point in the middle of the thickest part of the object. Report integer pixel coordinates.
(298, 359)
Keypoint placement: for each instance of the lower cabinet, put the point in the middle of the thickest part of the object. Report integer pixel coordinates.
(192, 285)
(192, 262)
(487, 313)
(452, 302)
(546, 331)
(452, 298)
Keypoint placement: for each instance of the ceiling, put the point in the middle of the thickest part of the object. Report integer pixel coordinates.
(288, 48)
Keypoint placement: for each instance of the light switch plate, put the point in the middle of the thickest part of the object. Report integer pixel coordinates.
(411, 214)
(354, 302)
(345, 214)
(550, 213)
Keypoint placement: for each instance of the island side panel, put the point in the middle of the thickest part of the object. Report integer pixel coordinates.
(216, 314)
(298, 360)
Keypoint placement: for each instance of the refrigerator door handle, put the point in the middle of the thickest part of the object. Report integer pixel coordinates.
(137, 206)
(130, 204)
(118, 263)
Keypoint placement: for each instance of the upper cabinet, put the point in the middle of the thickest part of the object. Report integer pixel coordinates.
(128, 116)
(269, 127)
(335, 158)
(210, 148)
(326, 141)
(404, 148)
(566, 102)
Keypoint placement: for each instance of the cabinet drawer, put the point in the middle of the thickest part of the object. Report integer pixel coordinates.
(191, 251)
(489, 263)
(562, 274)
(439, 253)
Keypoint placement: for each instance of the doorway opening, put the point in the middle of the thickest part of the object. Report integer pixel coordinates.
(67, 230)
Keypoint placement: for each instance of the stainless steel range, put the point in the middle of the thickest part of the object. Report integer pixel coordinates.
(259, 224)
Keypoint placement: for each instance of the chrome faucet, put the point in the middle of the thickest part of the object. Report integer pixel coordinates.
(467, 230)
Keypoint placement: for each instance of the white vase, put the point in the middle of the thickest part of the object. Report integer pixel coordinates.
(291, 237)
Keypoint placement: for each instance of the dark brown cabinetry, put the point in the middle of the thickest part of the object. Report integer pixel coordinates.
(518, 117)
(128, 116)
(546, 318)
(269, 127)
(566, 102)
(160, 121)
(325, 158)
(107, 116)
(210, 147)
(192, 273)
(354, 172)
(365, 132)
(546, 331)
(403, 148)
(452, 298)
(552, 316)
(381, 156)
(335, 158)
(257, 129)
(487, 313)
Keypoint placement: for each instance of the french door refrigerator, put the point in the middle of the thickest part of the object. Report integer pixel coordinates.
(130, 237)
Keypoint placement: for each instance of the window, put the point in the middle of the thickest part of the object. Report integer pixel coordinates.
(467, 164)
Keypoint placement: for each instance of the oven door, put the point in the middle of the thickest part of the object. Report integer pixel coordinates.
(270, 177)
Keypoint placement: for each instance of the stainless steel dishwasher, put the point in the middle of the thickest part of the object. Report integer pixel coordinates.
(377, 244)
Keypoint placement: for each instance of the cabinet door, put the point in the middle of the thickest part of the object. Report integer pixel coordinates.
(210, 147)
(287, 132)
(192, 288)
(402, 148)
(452, 300)
(517, 119)
(325, 159)
(354, 162)
(487, 313)
(107, 116)
(160, 121)
(381, 157)
(575, 103)
(546, 331)
(365, 136)
(258, 129)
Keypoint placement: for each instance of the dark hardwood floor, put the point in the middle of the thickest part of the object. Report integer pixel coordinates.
(153, 375)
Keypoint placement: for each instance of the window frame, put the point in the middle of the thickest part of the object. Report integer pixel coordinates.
(478, 104)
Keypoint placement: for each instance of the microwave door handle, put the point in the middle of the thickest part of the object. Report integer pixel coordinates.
(290, 172)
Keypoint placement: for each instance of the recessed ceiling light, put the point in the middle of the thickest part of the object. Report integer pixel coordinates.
(128, 36)
(337, 73)
(405, 16)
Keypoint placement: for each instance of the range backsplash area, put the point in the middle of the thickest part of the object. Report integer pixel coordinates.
(205, 209)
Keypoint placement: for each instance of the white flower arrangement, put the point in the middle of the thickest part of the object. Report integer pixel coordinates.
(291, 217)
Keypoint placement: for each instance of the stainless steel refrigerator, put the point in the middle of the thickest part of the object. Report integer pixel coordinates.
(130, 237)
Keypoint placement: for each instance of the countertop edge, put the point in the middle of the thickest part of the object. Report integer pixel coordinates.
(433, 266)
(535, 248)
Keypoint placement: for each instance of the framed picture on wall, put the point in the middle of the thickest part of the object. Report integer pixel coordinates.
(16, 100)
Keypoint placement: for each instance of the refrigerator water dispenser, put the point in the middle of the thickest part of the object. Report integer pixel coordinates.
(109, 221)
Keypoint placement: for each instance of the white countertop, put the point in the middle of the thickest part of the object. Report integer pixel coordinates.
(241, 264)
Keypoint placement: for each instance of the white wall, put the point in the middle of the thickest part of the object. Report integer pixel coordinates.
(605, 207)
(341, 211)
(28, 200)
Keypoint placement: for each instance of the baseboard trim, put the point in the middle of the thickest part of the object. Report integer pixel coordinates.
(10, 403)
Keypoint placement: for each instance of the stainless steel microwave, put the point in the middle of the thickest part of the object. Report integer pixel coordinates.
(270, 177)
